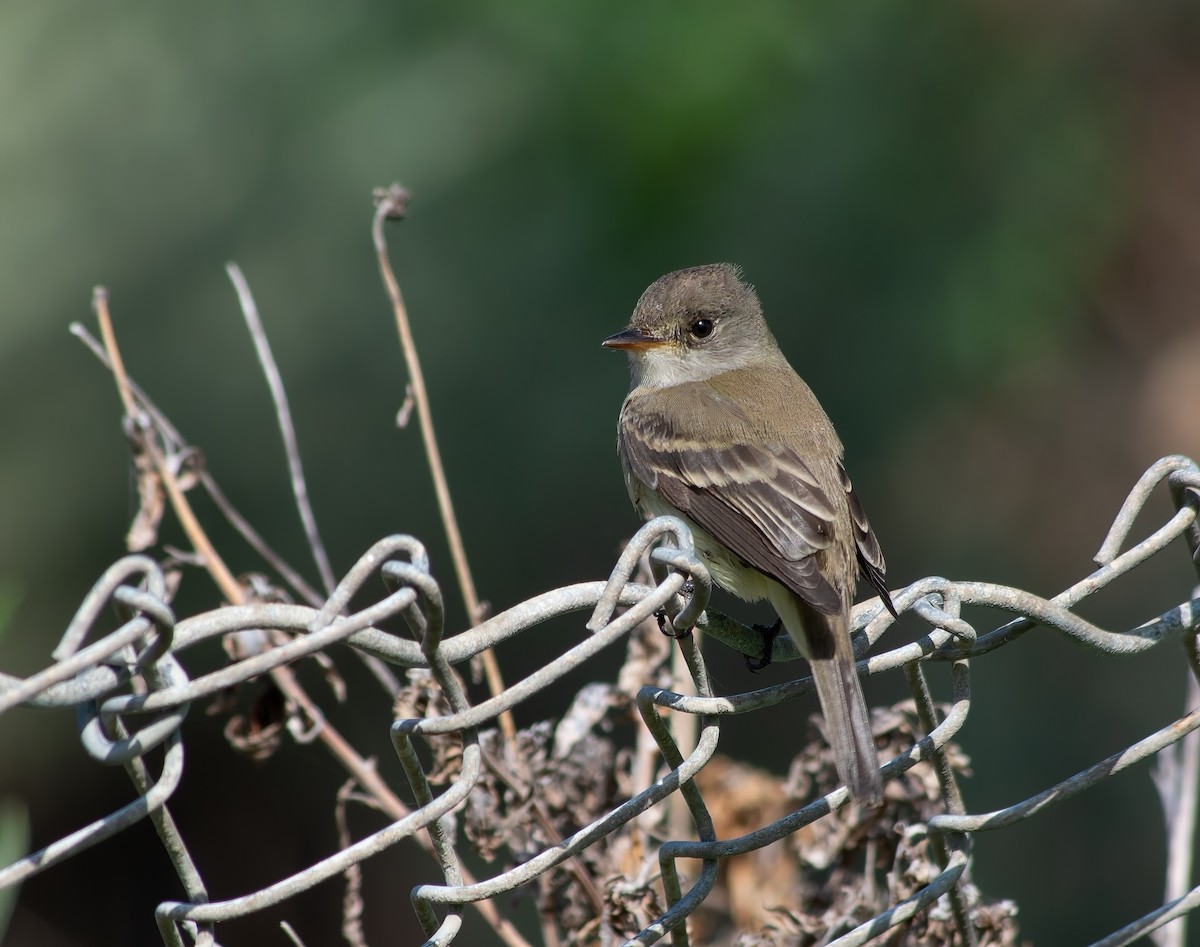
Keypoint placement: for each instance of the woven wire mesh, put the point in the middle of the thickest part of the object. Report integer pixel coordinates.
(131, 691)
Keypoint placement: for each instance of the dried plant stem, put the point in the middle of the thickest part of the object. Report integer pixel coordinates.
(352, 900)
(213, 563)
(391, 203)
(286, 428)
(358, 767)
(685, 731)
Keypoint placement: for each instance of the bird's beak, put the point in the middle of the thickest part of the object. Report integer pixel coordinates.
(634, 340)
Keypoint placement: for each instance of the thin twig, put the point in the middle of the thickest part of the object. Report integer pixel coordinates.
(685, 731)
(291, 933)
(352, 900)
(391, 203)
(287, 429)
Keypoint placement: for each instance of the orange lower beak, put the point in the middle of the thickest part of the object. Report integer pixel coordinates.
(633, 339)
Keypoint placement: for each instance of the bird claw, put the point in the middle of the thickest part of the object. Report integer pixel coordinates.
(769, 634)
(671, 632)
(687, 590)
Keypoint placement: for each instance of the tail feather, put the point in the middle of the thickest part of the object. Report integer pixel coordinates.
(848, 727)
(825, 640)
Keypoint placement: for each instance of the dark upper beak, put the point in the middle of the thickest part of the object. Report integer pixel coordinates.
(634, 339)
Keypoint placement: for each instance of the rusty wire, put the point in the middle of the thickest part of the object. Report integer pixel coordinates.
(132, 692)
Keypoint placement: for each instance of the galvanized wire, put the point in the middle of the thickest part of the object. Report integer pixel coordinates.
(132, 693)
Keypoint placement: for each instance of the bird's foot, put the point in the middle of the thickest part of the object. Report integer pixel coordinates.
(665, 626)
(769, 634)
(664, 623)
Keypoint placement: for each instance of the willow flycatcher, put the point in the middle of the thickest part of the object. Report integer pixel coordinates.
(719, 430)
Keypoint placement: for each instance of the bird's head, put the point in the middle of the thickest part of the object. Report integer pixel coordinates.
(692, 324)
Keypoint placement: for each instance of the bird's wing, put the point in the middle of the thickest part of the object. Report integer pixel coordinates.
(760, 500)
(870, 556)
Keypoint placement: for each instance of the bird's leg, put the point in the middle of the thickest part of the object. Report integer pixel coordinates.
(661, 615)
(769, 634)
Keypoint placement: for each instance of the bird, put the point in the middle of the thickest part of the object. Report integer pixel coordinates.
(719, 430)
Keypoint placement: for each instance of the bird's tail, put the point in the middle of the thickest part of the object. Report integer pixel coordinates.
(826, 643)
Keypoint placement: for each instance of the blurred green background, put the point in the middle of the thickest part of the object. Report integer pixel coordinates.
(990, 212)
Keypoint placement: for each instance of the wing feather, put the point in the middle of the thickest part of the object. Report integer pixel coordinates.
(870, 555)
(761, 501)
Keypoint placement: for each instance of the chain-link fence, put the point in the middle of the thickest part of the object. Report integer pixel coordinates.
(624, 838)
(132, 691)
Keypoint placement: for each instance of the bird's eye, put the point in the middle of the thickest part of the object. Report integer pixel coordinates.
(702, 328)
